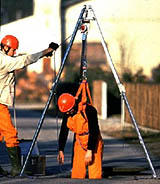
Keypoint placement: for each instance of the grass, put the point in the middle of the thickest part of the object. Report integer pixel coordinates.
(129, 134)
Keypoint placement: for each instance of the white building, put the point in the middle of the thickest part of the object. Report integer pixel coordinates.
(130, 27)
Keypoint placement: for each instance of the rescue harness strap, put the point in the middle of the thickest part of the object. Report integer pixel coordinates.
(84, 91)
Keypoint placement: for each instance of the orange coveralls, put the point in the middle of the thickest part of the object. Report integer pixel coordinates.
(80, 126)
(7, 130)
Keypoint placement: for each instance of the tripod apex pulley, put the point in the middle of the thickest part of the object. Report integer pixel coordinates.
(86, 15)
(83, 28)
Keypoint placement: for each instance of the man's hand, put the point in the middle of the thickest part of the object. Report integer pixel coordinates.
(49, 51)
(49, 54)
(60, 157)
(88, 157)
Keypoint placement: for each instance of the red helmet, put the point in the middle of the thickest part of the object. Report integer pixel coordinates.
(66, 102)
(10, 41)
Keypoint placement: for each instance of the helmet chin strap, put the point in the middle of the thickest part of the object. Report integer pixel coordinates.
(6, 51)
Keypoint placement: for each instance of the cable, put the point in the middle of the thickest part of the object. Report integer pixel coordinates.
(57, 127)
(65, 40)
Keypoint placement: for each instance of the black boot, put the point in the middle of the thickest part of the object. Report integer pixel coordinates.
(15, 157)
(3, 172)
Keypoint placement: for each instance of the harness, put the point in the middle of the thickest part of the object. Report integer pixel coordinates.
(79, 122)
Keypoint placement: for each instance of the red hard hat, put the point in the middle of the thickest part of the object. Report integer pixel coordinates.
(10, 41)
(66, 102)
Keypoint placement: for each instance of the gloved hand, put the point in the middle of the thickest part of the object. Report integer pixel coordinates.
(53, 45)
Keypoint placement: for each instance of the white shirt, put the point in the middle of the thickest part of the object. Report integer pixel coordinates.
(8, 65)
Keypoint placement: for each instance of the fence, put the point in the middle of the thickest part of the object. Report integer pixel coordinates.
(144, 100)
(100, 98)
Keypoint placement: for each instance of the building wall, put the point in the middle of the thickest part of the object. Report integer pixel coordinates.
(94, 53)
(35, 32)
(131, 29)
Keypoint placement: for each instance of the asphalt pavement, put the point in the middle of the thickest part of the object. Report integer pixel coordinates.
(122, 163)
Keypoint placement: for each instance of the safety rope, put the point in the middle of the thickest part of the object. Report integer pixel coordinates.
(57, 127)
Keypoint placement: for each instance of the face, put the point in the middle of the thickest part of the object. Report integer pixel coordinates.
(70, 112)
(11, 52)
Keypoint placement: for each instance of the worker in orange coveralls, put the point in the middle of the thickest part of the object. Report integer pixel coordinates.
(88, 145)
(8, 64)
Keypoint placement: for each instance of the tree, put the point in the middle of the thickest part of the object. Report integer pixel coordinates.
(156, 74)
(138, 77)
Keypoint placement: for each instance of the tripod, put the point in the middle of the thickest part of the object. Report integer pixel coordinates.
(83, 18)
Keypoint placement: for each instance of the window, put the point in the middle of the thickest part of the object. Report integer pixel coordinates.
(12, 10)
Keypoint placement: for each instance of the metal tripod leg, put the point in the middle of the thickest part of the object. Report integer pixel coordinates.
(122, 91)
(139, 134)
(53, 89)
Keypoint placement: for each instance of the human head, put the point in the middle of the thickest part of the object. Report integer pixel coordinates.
(9, 45)
(66, 102)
